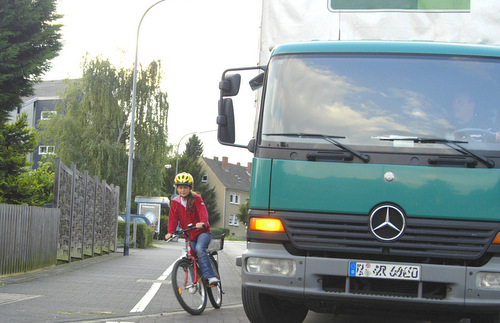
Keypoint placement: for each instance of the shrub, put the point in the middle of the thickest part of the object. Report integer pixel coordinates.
(218, 231)
(145, 234)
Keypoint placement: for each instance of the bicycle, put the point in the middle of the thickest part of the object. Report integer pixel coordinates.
(190, 288)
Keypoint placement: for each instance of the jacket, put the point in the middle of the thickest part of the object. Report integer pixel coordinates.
(179, 213)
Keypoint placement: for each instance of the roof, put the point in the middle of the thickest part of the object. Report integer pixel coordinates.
(48, 89)
(387, 47)
(234, 178)
(152, 199)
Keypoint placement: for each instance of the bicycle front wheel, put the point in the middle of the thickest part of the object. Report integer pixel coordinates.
(215, 291)
(192, 295)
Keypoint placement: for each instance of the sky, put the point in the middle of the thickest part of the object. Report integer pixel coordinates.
(195, 41)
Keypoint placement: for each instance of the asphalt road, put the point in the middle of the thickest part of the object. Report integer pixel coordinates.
(136, 288)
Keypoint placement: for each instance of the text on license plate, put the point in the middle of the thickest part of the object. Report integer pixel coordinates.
(388, 271)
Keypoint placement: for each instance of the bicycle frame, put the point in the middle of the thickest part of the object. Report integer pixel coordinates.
(191, 255)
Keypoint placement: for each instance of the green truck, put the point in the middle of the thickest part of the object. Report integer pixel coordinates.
(375, 181)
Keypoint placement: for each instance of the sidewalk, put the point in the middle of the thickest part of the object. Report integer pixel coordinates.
(106, 288)
(59, 269)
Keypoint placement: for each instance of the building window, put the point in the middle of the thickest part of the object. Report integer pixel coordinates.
(234, 199)
(47, 114)
(46, 150)
(204, 179)
(234, 221)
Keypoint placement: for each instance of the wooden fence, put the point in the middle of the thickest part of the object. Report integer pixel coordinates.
(28, 238)
(82, 223)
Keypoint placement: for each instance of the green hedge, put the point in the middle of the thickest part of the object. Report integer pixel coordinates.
(218, 231)
(163, 227)
(145, 234)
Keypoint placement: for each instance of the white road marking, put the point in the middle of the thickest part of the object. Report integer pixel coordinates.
(8, 298)
(146, 299)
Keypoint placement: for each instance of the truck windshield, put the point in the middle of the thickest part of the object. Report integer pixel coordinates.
(367, 100)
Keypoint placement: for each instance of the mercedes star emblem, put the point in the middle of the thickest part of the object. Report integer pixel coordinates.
(387, 222)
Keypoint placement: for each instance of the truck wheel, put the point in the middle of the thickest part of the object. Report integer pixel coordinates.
(262, 308)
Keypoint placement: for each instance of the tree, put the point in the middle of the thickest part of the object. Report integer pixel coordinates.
(91, 128)
(16, 140)
(193, 151)
(150, 132)
(243, 212)
(29, 39)
(38, 184)
(194, 147)
(18, 183)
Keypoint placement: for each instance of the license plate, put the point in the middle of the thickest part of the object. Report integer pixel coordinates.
(387, 271)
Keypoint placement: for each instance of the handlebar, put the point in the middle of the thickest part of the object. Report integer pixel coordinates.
(183, 232)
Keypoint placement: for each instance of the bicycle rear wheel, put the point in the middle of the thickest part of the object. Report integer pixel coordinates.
(192, 295)
(215, 291)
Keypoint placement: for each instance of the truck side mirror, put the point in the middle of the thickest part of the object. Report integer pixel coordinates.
(230, 85)
(225, 122)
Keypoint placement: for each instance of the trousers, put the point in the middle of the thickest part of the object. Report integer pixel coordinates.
(200, 247)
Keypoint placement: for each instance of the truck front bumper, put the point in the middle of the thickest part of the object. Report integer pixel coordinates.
(323, 283)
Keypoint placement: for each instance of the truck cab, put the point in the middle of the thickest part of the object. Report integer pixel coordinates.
(375, 180)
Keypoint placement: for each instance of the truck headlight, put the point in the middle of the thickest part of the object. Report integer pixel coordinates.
(488, 280)
(274, 266)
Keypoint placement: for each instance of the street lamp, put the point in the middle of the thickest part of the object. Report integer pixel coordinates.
(131, 148)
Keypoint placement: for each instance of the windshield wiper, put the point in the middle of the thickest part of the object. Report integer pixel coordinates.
(453, 144)
(331, 139)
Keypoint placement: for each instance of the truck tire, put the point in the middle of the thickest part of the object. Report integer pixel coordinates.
(262, 308)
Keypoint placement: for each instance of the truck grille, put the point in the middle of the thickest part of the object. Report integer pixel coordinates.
(384, 287)
(427, 238)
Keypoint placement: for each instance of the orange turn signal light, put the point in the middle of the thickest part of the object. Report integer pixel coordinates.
(266, 224)
(497, 239)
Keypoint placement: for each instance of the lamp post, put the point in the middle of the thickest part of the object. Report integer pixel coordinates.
(131, 148)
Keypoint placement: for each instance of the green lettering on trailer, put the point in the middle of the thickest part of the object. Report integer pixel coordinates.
(452, 5)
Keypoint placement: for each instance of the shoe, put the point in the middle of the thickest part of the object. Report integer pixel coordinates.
(213, 280)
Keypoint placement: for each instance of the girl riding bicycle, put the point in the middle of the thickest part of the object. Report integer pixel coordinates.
(187, 208)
